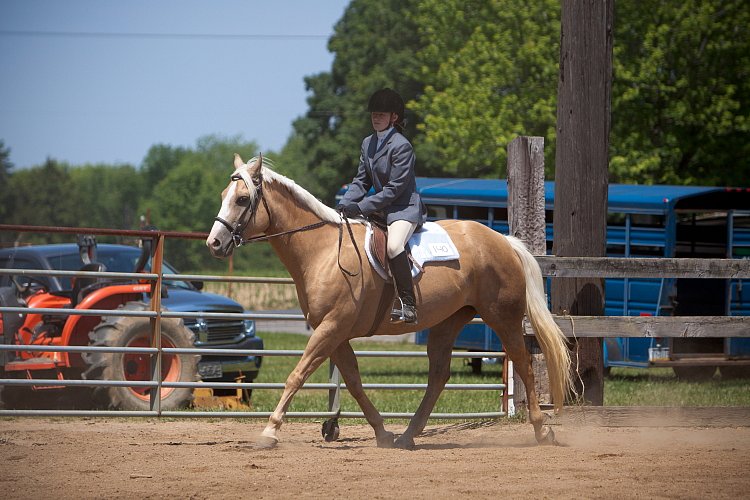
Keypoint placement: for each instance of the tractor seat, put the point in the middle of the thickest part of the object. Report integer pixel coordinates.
(82, 286)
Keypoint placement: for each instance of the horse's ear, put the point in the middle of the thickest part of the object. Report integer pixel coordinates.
(238, 161)
(255, 170)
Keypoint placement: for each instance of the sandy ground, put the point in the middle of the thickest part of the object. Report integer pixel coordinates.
(140, 458)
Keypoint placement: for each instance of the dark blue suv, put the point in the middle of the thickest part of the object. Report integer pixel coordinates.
(181, 296)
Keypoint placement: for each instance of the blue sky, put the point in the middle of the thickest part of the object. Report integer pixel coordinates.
(69, 93)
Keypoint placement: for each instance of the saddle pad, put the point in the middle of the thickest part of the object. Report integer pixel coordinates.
(431, 243)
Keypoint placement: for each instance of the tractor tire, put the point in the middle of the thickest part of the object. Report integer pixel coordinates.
(116, 331)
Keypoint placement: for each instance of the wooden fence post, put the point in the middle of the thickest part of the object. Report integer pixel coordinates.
(581, 162)
(526, 220)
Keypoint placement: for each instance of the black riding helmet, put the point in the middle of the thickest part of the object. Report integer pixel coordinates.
(387, 101)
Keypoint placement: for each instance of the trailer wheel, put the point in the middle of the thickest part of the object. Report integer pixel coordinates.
(136, 332)
(476, 365)
(694, 373)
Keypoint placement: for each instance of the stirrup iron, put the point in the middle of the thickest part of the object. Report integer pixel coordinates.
(404, 314)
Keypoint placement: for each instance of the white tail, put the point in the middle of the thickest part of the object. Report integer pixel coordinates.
(551, 339)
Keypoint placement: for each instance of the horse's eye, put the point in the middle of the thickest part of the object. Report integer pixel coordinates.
(242, 200)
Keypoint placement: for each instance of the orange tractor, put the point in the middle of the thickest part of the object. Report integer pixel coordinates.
(48, 328)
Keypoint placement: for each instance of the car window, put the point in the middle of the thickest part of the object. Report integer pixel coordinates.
(21, 263)
(119, 260)
(124, 261)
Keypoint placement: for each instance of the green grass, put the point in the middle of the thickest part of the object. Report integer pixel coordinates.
(624, 387)
(660, 387)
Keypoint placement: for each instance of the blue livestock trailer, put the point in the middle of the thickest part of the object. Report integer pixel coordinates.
(642, 221)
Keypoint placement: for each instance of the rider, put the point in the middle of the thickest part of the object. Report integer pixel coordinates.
(386, 163)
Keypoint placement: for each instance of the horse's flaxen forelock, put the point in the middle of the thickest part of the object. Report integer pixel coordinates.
(303, 197)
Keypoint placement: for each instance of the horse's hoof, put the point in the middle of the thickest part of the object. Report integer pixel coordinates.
(330, 430)
(548, 438)
(385, 440)
(404, 443)
(266, 443)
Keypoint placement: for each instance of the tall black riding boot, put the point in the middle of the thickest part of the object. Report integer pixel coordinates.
(405, 305)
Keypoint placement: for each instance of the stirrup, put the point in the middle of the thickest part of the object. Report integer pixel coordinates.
(405, 314)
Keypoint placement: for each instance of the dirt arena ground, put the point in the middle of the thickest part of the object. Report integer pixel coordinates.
(118, 458)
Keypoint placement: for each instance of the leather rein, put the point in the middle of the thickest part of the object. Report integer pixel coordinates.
(240, 226)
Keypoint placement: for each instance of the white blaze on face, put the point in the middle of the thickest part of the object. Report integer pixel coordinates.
(225, 212)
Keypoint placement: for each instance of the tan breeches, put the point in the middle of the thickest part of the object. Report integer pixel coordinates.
(399, 232)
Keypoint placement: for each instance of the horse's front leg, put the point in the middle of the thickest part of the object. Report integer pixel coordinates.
(320, 346)
(346, 361)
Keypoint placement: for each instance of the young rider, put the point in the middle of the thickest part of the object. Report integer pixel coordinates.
(386, 163)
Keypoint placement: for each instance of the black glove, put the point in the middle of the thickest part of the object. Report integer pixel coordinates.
(348, 210)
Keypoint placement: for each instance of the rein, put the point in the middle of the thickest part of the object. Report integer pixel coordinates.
(356, 248)
(267, 237)
(239, 228)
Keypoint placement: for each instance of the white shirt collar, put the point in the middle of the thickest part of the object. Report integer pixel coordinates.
(383, 134)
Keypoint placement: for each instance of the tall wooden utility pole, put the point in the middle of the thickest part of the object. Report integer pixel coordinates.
(581, 161)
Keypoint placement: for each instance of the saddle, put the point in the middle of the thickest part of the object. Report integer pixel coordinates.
(379, 244)
(429, 243)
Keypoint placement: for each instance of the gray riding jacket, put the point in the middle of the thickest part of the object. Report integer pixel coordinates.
(388, 169)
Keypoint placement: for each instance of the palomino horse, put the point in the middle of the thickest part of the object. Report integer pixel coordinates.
(496, 277)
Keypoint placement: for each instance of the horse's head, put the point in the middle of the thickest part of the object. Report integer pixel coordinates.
(240, 200)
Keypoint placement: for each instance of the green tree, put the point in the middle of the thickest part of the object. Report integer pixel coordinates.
(374, 45)
(681, 93)
(680, 98)
(490, 74)
(107, 195)
(42, 196)
(159, 161)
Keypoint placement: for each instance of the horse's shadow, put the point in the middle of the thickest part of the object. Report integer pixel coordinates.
(344, 444)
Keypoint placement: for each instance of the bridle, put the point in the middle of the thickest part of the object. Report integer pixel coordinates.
(252, 208)
(240, 226)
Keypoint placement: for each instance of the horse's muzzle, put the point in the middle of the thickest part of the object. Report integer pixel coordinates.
(218, 249)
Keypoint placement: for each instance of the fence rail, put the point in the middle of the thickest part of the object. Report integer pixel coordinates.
(334, 386)
(569, 267)
(632, 267)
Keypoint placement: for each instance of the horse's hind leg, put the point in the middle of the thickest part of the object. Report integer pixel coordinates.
(346, 362)
(515, 347)
(439, 347)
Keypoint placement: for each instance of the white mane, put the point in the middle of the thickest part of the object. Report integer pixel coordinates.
(303, 196)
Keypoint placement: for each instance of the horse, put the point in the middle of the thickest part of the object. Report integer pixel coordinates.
(495, 277)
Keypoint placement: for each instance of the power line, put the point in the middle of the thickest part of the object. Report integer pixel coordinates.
(173, 36)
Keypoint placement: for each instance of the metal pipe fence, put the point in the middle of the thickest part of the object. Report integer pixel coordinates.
(156, 351)
(335, 384)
